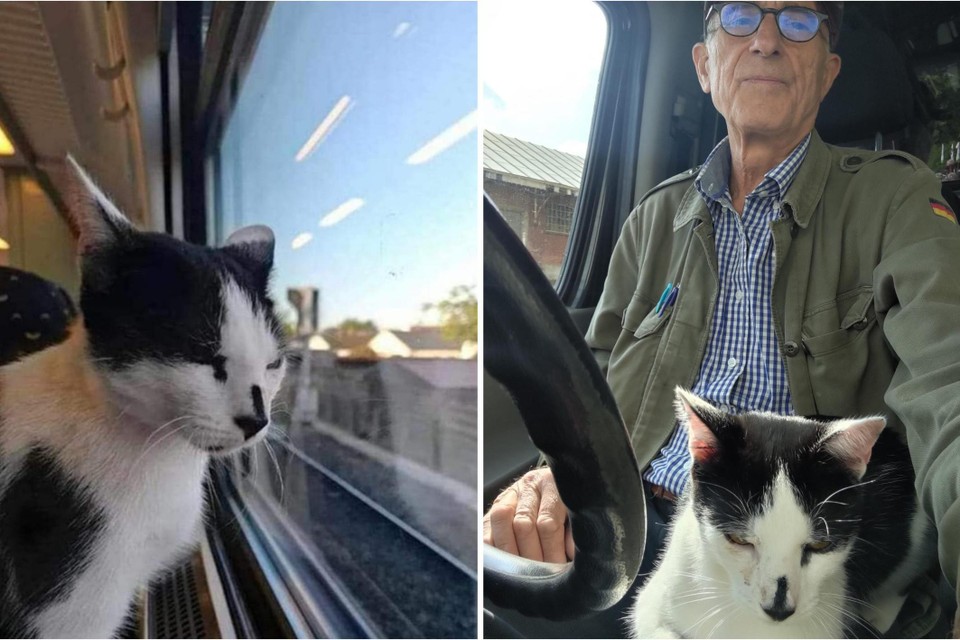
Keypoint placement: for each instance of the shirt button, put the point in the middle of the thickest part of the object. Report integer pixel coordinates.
(776, 207)
(732, 362)
(738, 295)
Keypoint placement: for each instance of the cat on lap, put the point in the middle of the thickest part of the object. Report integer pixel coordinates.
(790, 528)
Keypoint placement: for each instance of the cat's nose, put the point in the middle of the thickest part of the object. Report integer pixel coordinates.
(783, 605)
(779, 613)
(250, 425)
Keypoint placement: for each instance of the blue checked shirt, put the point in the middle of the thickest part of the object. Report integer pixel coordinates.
(742, 369)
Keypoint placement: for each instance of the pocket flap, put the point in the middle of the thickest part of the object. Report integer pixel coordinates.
(651, 323)
(640, 318)
(860, 312)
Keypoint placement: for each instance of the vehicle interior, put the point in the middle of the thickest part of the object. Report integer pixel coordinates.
(651, 121)
(359, 518)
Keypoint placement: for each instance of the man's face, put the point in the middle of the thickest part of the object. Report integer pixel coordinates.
(763, 84)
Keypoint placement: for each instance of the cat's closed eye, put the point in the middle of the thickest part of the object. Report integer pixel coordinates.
(276, 363)
(819, 546)
(219, 367)
(737, 540)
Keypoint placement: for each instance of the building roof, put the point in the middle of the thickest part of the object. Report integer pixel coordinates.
(425, 338)
(516, 157)
(346, 339)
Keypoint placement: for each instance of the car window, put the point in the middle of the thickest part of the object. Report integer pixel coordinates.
(354, 137)
(538, 101)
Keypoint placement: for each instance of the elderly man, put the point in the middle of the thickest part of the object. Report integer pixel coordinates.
(810, 280)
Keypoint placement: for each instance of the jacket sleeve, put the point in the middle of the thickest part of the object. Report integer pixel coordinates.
(917, 291)
(618, 289)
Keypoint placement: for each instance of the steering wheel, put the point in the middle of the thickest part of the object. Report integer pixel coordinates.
(533, 349)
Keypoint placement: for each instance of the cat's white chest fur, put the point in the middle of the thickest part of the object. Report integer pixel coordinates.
(153, 518)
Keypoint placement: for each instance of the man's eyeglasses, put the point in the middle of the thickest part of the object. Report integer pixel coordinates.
(741, 19)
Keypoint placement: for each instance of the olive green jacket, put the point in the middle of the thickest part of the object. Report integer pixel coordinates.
(866, 303)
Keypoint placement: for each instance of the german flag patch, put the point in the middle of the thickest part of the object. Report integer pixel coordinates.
(943, 210)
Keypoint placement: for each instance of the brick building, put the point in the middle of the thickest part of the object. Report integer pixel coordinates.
(535, 188)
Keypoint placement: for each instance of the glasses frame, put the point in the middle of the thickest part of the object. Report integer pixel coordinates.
(715, 8)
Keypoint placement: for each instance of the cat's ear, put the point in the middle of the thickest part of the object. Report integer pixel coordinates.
(703, 422)
(98, 221)
(851, 441)
(253, 246)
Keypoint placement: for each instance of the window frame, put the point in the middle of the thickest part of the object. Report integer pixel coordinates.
(610, 167)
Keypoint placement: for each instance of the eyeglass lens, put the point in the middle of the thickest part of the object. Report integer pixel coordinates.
(743, 18)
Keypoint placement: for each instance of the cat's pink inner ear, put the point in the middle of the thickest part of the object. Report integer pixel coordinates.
(702, 441)
(94, 217)
(852, 441)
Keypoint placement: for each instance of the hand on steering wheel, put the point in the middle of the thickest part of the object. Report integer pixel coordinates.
(530, 520)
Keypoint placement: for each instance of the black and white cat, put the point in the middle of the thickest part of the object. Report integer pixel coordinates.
(105, 438)
(789, 528)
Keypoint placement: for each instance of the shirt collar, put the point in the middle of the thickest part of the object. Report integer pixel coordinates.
(713, 181)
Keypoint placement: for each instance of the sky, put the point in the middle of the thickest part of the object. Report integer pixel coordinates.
(540, 69)
(355, 139)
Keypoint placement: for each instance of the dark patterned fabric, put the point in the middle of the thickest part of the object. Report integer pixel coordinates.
(34, 314)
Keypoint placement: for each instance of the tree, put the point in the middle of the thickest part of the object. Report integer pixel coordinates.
(458, 314)
(353, 325)
(944, 90)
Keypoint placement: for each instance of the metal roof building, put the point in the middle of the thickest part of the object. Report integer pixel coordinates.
(526, 163)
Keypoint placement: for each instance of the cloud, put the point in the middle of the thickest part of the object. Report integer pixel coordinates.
(402, 29)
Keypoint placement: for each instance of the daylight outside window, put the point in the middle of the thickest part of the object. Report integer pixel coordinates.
(354, 137)
(538, 99)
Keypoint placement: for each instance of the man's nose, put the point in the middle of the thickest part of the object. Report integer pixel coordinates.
(766, 40)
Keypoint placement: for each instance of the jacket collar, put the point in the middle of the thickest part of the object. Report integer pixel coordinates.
(800, 200)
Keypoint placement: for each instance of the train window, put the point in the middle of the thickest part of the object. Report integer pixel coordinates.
(353, 135)
(534, 149)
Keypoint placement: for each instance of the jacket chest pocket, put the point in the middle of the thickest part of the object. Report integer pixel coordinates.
(836, 341)
(641, 318)
(635, 353)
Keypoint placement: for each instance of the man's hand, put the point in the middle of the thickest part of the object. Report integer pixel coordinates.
(529, 520)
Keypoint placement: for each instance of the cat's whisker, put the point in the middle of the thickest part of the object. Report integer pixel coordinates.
(847, 488)
(846, 614)
(700, 576)
(732, 607)
(276, 463)
(715, 612)
(147, 450)
(826, 525)
(742, 504)
(166, 424)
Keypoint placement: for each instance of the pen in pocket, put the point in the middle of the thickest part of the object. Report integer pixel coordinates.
(670, 300)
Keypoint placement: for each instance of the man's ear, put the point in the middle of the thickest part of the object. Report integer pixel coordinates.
(831, 71)
(701, 58)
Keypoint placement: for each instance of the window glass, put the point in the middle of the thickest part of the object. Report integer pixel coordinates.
(538, 99)
(354, 137)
